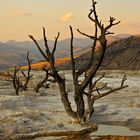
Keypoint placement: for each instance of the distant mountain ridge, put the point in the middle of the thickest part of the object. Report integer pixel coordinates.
(13, 53)
(122, 54)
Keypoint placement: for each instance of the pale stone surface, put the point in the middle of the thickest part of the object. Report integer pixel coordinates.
(32, 111)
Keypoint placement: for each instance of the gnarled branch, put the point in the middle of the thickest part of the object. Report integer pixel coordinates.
(100, 95)
(89, 36)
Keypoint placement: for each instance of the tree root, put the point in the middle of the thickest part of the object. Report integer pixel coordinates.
(33, 135)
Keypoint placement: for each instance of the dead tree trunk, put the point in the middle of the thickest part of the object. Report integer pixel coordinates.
(82, 114)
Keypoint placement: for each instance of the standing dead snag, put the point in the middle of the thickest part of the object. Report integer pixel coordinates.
(49, 56)
(90, 69)
(27, 76)
(82, 114)
(16, 79)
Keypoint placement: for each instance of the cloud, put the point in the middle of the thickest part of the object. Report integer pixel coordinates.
(17, 13)
(67, 17)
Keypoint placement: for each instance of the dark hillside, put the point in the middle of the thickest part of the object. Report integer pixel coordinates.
(123, 54)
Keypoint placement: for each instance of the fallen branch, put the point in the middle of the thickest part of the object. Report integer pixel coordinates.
(84, 131)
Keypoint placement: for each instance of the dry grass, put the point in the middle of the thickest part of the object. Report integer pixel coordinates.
(41, 65)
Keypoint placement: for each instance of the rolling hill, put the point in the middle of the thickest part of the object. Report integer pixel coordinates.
(13, 53)
(122, 54)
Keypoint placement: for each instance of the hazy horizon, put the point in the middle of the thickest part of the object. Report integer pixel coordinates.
(21, 18)
(80, 37)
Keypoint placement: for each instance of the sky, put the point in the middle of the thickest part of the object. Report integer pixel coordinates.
(19, 18)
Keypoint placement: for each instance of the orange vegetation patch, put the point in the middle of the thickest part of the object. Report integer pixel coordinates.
(45, 64)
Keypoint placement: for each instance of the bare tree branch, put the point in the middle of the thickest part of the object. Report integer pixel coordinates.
(24, 74)
(122, 86)
(101, 88)
(111, 23)
(55, 43)
(90, 69)
(123, 80)
(89, 36)
(94, 84)
(48, 53)
(72, 55)
(40, 84)
(54, 73)
(87, 67)
(75, 80)
(39, 48)
(29, 75)
(15, 79)
(93, 70)
(93, 11)
(109, 33)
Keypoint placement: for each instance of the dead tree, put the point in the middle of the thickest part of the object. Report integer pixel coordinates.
(82, 114)
(27, 76)
(18, 83)
(43, 82)
(15, 80)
